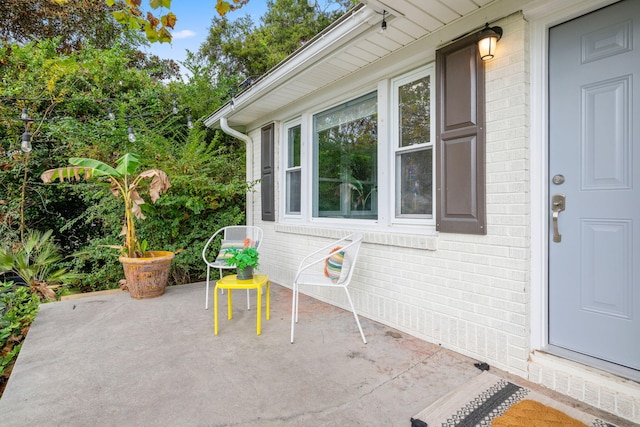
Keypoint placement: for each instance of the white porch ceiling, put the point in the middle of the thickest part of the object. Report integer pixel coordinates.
(352, 43)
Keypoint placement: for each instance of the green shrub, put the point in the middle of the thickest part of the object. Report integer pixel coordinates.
(18, 308)
(36, 260)
(73, 93)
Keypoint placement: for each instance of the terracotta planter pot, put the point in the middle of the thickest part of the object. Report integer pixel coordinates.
(147, 277)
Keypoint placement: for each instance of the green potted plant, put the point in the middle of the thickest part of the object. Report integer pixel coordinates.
(245, 260)
(146, 272)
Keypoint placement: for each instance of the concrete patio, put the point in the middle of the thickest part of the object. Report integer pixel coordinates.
(111, 360)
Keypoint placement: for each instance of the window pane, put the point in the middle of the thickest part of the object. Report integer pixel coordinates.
(293, 192)
(346, 160)
(415, 181)
(293, 138)
(414, 100)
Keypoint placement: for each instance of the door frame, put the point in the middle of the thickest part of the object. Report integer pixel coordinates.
(542, 18)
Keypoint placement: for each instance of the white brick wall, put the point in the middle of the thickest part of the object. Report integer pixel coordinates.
(600, 389)
(468, 293)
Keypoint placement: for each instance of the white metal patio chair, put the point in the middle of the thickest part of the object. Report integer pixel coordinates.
(329, 266)
(228, 237)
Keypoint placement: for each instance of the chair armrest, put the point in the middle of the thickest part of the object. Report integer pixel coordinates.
(312, 259)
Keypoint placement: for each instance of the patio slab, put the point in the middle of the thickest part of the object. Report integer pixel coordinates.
(108, 359)
(111, 360)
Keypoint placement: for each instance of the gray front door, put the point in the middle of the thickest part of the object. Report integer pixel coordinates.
(594, 169)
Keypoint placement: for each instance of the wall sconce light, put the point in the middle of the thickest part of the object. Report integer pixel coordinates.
(487, 40)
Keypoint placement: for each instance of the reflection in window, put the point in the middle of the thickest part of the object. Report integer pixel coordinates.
(345, 156)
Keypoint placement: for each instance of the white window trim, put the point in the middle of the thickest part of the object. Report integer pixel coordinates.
(284, 168)
(427, 70)
(313, 176)
(386, 222)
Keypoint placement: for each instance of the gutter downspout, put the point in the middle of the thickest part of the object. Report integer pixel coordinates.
(224, 125)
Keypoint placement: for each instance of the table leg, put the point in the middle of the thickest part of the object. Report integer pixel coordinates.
(268, 298)
(215, 310)
(259, 312)
(229, 307)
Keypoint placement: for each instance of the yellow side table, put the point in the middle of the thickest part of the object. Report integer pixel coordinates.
(231, 282)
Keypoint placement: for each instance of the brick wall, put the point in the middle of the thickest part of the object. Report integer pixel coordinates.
(468, 293)
(465, 292)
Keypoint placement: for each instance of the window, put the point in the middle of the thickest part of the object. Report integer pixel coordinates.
(413, 144)
(345, 163)
(293, 170)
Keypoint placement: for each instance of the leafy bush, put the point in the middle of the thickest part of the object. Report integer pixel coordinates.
(36, 261)
(18, 308)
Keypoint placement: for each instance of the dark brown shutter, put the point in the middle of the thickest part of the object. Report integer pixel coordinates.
(267, 171)
(460, 140)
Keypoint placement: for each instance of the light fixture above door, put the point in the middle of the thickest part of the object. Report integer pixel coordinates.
(487, 41)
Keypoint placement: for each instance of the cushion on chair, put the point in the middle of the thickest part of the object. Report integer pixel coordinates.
(233, 244)
(333, 265)
(225, 246)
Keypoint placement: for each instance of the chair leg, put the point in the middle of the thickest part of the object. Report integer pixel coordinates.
(355, 315)
(297, 301)
(220, 277)
(294, 309)
(249, 300)
(206, 299)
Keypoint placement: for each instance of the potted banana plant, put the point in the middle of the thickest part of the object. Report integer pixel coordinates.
(146, 272)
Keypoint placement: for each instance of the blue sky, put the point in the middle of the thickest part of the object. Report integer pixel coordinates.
(194, 20)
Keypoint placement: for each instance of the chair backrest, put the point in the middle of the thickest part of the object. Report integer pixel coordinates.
(351, 252)
(235, 233)
(241, 232)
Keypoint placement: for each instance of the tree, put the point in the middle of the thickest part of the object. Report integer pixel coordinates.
(242, 48)
(69, 96)
(156, 29)
(77, 23)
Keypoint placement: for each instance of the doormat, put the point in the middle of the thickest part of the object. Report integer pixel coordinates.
(488, 400)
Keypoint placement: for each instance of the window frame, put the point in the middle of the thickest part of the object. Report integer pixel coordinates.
(395, 149)
(387, 113)
(287, 127)
(314, 169)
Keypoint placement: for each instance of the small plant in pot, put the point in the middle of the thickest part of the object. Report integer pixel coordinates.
(245, 260)
(146, 272)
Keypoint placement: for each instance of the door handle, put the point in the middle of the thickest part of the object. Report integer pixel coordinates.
(557, 206)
